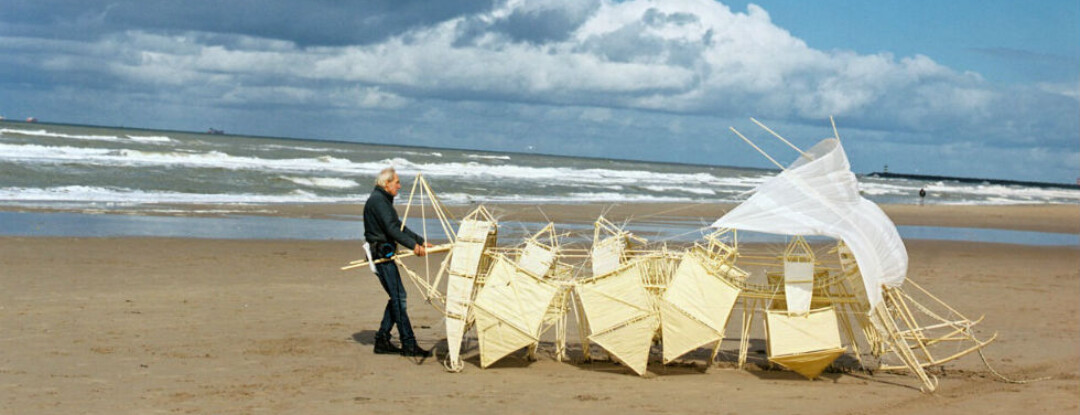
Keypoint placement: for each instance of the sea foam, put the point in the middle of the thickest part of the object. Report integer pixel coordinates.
(123, 195)
(323, 182)
(157, 139)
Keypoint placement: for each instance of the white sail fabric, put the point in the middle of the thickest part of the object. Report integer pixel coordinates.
(536, 260)
(806, 343)
(821, 197)
(696, 305)
(621, 315)
(510, 310)
(794, 334)
(459, 292)
(607, 255)
(473, 237)
(798, 286)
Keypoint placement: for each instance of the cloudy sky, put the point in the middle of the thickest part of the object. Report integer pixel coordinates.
(966, 88)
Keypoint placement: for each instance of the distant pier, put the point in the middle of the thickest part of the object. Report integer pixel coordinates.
(927, 177)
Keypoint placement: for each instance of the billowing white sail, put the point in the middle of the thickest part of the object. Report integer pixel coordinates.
(819, 196)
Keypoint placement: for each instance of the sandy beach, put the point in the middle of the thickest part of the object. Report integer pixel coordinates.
(160, 325)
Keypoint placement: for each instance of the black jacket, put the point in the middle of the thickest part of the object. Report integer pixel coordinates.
(382, 224)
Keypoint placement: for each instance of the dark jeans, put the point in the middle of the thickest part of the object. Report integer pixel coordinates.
(395, 308)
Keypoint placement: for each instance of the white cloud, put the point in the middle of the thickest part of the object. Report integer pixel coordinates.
(374, 97)
(596, 65)
(267, 95)
(1068, 89)
(693, 56)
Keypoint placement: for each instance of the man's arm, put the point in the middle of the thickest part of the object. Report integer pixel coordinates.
(421, 247)
(406, 238)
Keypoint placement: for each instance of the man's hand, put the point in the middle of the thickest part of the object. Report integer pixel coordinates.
(421, 249)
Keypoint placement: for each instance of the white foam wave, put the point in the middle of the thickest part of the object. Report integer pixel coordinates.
(416, 153)
(1011, 192)
(572, 198)
(487, 157)
(1003, 194)
(477, 172)
(883, 189)
(467, 171)
(123, 195)
(209, 159)
(50, 134)
(304, 148)
(967, 193)
(43, 133)
(323, 182)
(992, 201)
(481, 174)
(160, 139)
(93, 194)
(680, 189)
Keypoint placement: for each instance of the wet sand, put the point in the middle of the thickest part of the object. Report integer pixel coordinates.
(1040, 218)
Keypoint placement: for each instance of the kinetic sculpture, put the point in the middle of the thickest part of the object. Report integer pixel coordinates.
(816, 300)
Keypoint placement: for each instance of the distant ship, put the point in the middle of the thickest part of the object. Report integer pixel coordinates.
(215, 131)
(31, 119)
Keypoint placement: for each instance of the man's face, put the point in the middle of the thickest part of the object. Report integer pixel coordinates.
(393, 186)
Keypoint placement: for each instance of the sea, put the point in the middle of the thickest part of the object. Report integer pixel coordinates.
(74, 166)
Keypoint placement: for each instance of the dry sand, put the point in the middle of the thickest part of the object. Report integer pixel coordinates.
(148, 325)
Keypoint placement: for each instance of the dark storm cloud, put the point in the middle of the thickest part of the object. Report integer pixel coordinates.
(537, 23)
(307, 23)
(540, 25)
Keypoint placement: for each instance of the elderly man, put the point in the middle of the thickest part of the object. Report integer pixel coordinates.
(383, 231)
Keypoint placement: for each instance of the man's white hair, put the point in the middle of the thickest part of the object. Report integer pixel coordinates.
(385, 176)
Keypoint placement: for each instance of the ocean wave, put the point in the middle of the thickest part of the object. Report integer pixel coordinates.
(416, 153)
(957, 193)
(97, 194)
(474, 171)
(467, 171)
(34, 153)
(44, 133)
(680, 189)
(303, 148)
(486, 157)
(509, 175)
(1010, 191)
(996, 194)
(571, 198)
(516, 181)
(883, 189)
(160, 139)
(135, 196)
(323, 182)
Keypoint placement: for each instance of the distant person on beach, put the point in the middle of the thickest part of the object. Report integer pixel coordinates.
(383, 231)
(922, 195)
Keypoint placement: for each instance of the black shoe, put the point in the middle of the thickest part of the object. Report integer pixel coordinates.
(413, 350)
(383, 346)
